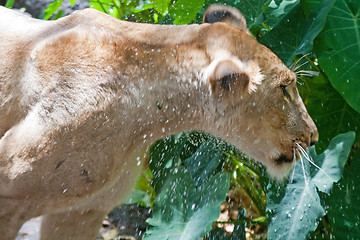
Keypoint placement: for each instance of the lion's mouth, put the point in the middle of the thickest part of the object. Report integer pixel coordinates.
(298, 150)
(283, 159)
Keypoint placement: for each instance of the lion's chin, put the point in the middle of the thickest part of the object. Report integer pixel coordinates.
(280, 171)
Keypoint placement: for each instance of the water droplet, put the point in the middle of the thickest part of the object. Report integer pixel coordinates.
(138, 161)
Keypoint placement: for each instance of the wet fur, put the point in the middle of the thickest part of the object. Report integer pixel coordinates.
(79, 107)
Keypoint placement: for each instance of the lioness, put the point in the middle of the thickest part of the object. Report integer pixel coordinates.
(82, 99)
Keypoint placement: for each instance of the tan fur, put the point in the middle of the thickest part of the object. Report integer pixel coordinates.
(79, 107)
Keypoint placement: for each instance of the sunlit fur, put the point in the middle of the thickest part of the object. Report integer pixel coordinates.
(82, 99)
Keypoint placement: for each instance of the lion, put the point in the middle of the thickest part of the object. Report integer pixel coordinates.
(82, 98)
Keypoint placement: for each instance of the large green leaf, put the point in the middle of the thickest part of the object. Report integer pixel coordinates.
(183, 212)
(335, 156)
(186, 168)
(276, 11)
(344, 204)
(295, 33)
(175, 150)
(203, 163)
(163, 156)
(161, 5)
(9, 3)
(184, 11)
(338, 49)
(52, 8)
(329, 110)
(298, 212)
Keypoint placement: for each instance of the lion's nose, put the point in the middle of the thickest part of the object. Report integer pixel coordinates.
(314, 136)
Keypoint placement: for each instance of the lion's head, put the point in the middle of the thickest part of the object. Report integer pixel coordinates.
(256, 97)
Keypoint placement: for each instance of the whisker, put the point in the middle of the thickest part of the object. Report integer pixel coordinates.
(300, 80)
(294, 163)
(307, 73)
(303, 168)
(299, 66)
(306, 155)
(302, 150)
(292, 66)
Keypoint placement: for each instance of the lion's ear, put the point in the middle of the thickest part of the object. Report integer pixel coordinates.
(229, 77)
(225, 14)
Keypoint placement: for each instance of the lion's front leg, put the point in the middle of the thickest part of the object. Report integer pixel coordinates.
(13, 213)
(74, 225)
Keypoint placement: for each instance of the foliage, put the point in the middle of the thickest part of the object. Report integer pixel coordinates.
(327, 107)
(300, 209)
(238, 233)
(309, 36)
(338, 50)
(9, 3)
(296, 32)
(183, 208)
(344, 214)
(143, 193)
(53, 7)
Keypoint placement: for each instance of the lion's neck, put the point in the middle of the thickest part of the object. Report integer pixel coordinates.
(156, 109)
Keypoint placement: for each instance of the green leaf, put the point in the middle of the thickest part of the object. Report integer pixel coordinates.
(330, 112)
(143, 7)
(336, 156)
(144, 193)
(181, 211)
(161, 5)
(9, 3)
(344, 203)
(59, 14)
(295, 33)
(251, 9)
(310, 6)
(184, 11)
(299, 211)
(100, 6)
(52, 8)
(276, 11)
(164, 155)
(72, 2)
(338, 49)
(204, 161)
(186, 168)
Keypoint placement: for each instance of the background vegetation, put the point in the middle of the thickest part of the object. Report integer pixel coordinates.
(190, 174)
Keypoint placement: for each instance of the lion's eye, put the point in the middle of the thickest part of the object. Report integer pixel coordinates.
(285, 92)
